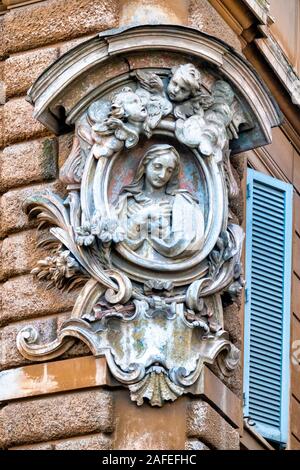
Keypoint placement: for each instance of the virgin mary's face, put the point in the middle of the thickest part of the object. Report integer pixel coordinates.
(160, 170)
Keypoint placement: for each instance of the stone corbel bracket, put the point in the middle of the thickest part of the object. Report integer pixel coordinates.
(68, 87)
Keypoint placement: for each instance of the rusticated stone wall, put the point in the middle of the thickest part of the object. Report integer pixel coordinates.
(31, 38)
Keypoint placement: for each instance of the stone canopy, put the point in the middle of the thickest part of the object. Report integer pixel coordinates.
(67, 88)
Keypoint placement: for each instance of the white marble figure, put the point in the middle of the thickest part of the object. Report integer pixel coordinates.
(160, 218)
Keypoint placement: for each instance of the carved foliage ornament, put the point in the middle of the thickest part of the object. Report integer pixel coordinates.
(145, 230)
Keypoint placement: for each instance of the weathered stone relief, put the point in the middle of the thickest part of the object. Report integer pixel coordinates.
(145, 230)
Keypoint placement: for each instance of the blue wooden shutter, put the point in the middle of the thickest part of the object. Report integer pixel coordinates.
(267, 312)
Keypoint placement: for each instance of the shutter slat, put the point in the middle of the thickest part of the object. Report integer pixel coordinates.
(258, 282)
(270, 249)
(270, 405)
(267, 216)
(257, 356)
(267, 365)
(260, 390)
(261, 336)
(260, 257)
(261, 205)
(264, 417)
(264, 273)
(272, 202)
(261, 362)
(261, 319)
(268, 191)
(262, 239)
(272, 257)
(266, 314)
(262, 263)
(272, 345)
(260, 201)
(266, 291)
(260, 222)
(271, 334)
(266, 234)
(267, 355)
(264, 303)
(260, 411)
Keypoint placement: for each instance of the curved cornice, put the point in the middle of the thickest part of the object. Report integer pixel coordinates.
(48, 92)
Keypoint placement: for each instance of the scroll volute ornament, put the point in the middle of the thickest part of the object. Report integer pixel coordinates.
(145, 230)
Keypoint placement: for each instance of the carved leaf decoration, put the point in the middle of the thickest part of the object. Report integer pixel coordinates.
(61, 270)
(50, 210)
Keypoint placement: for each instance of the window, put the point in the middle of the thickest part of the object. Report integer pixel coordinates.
(267, 306)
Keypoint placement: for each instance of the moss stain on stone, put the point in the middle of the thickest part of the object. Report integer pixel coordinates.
(49, 161)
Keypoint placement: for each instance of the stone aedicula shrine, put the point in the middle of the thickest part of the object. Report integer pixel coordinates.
(146, 231)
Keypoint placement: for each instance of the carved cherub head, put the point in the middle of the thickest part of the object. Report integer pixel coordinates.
(127, 104)
(185, 82)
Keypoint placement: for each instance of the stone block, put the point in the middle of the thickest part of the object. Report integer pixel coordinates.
(28, 162)
(204, 423)
(66, 46)
(2, 84)
(20, 71)
(19, 123)
(1, 127)
(95, 442)
(19, 254)
(56, 20)
(10, 356)
(194, 444)
(64, 147)
(40, 446)
(235, 381)
(26, 297)
(12, 216)
(203, 16)
(233, 323)
(56, 417)
(2, 49)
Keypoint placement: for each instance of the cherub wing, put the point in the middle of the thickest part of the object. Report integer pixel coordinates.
(153, 94)
(94, 121)
(150, 81)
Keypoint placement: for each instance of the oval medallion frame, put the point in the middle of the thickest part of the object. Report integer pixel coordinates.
(94, 198)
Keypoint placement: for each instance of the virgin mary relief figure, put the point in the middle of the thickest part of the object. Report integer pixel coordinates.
(161, 220)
